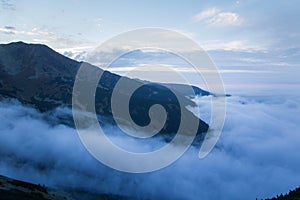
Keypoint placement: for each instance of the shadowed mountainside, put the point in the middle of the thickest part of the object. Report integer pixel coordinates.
(11, 189)
(37, 75)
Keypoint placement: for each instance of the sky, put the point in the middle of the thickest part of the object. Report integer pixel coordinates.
(247, 25)
(243, 37)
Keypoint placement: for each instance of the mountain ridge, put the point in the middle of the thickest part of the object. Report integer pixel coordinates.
(39, 76)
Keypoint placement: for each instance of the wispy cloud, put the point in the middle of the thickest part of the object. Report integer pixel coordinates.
(225, 19)
(241, 45)
(13, 31)
(7, 5)
(9, 27)
(206, 14)
(214, 17)
(32, 32)
(236, 44)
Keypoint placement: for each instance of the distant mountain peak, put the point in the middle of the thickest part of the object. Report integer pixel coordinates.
(21, 44)
(15, 57)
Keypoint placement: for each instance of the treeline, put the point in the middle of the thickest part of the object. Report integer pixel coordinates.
(292, 195)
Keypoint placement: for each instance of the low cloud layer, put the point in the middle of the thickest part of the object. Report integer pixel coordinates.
(257, 155)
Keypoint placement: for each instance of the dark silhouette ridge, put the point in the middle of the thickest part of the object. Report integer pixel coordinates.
(37, 75)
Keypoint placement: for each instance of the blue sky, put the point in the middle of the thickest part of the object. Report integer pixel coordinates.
(230, 25)
(261, 37)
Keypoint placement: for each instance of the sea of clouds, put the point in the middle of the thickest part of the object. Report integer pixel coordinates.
(257, 155)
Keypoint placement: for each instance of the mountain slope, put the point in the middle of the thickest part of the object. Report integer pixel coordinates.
(11, 189)
(37, 75)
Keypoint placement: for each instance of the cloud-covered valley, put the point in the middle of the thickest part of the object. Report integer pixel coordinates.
(257, 155)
